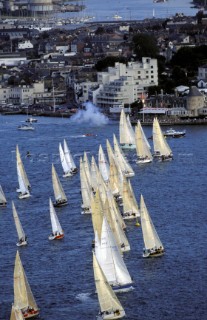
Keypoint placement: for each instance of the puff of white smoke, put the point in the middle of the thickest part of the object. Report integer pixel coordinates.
(90, 114)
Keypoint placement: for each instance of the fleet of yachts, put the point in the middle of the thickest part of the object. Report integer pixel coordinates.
(108, 196)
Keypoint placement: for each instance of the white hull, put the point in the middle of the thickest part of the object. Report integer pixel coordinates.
(2, 205)
(20, 244)
(24, 196)
(67, 174)
(128, 146)
(152, 255)
(86, 211)
(130, 215)
(144, 161)
(128, 174)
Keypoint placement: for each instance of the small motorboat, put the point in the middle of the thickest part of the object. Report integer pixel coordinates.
(173, 133)
(89, 135)
(31, 120)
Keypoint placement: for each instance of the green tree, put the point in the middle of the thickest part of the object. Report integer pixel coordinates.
(109, 62)
(144, 45)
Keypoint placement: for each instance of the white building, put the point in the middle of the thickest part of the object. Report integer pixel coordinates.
(25, 45)
(122, 84)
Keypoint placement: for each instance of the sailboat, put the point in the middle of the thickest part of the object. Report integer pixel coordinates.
(22, 169)
(60, 196)
(124, 165)
(126, 132)
(57, 231)
(130, 206)
(142, 145)
(103, 164)
(111, 260)
(110, 306)
(69, 158)
(23, 297)
(3, 201)
(20, 232)
(153, 245)
(23, 189)
(86, 191)
(65, 165)
(162, 150)
(16, 314)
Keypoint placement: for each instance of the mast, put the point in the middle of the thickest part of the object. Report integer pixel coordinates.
(142, 145)
(160, 144)
(68, 156)
(125, 166)
(64, 163)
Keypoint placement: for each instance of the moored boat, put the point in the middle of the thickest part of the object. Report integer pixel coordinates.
(174, 134)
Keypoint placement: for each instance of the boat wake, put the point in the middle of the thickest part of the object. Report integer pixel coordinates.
(83, 297)
(90, 114)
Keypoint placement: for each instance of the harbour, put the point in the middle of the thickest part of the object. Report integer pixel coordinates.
(173, 193)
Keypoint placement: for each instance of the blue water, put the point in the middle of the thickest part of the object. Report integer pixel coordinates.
(60, 272)
(133, 9)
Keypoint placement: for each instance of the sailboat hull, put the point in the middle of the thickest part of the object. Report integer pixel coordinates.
(125, 288)
(30, 314)
(153, 254)
(60, 236)
(130, 215)
(110, 316)
(24, 196)
(129, 174)
(67, 174)
(2, 205)
(20, 244)
(144, 160)
(60, 204)
(128, 146)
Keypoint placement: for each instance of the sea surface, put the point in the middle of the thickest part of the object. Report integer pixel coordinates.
(132, 9)
(60, 272)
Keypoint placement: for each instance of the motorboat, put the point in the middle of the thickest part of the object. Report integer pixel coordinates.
(173, 133)
(31, 120)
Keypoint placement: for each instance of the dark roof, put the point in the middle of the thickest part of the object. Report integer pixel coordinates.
(194, 92)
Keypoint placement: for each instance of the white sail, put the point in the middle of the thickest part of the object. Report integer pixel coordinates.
(23, 189)
(142, 145)
(93, 174)
(68, 156)
(130, 205)
(59, 193)
(126, 133)
(23, 297)
(56, 227)
(21, 168)
(65, 166)
(150, 236)
(161, 146)
(86, 166)
(110, 259)
(2, 197)
(85, 189)
(20, 231)
(124, 164)
(16, 314)
(110, 306)
(97, 214)
(103, 164)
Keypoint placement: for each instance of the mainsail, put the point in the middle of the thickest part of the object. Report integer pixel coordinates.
(20, 231)
(2, 197)
(108, 300)
(56, 227)
(161, 146)
(23, 297)
(57, 187)
(150, 236)
(68, 156)
(103, 164)
(22, 169)
(126, 133)
(124, 164)
(142, 145)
